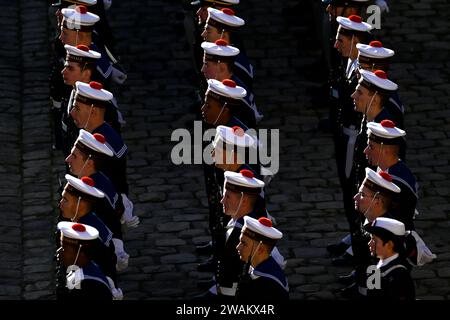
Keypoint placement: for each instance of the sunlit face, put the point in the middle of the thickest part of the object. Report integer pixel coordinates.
(230, 202)
(75, 161)
(210, 69)
(377, 248)
(68, 36)
(68, 205)
(343, 45)
(211, 34)
(212, 110)
(363, 200)
(71, 73)
(361, 98)
(245, 247)
(373, 152)
(80, 114)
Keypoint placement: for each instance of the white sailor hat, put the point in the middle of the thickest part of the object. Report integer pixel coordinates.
(234, 136)
(219, 50)
(243, 181)
(81, 53)
(380, 182)
(227, 90)
(385, 132)
(93, 145)
(92, 93)
(79, 18)
(353, 24)
(377, 81)
(84, 188)
(386, 228)
(374, 50)
(224, 19)
(77, 231)
(261, 230)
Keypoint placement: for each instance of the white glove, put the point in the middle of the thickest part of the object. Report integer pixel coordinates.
(116, 292)
(122, 256)
(383, 5)
(127, 216)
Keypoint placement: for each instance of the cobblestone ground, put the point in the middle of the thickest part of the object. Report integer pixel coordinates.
(304, 196)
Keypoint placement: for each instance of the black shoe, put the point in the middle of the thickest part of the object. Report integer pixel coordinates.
(205, 249)
(347, 279)
(344, 260)
(207, 266)
(205, 284)
(337, 249)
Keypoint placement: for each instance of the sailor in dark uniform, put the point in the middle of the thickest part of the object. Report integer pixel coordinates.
(241, 191)
(263, 278)
(78, 199)
(84, 280)
(218, 64)
(374, 199)
(78, 28)
(383, 148)
(374, 56)
(88, 112)
(87, 158)
(387, 244)
(345, 119)
(58, 91)
(80, 64)
(223, 24)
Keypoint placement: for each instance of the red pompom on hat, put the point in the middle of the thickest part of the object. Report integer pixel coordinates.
(99, 137)
(228, 11)
(355, 18)
(380, 74)
(79, 227)
(247, 173)
(83, 47)
(385, 176)
(221, 42)
(229, 83)
(387, 124)
(238, 131)
(95, 85)
(81, 9)
(376, 44)
(265, 222)
(88, 181)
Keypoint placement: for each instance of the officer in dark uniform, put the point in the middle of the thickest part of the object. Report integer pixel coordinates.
(223, 106)
(79, 65)
(84, 279)
(87, 158)
(382, 151)
(374, 199)
(263, 278)
(88, 112)
(78, 200)
(345, 120)
(241, 191)
(218, 64)
(387, 244)
(77, 27)
(223, 24)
